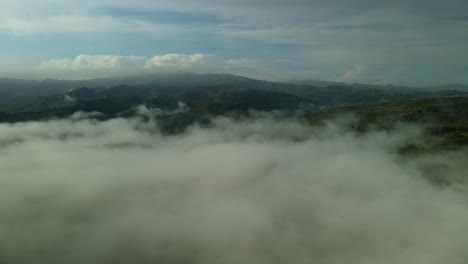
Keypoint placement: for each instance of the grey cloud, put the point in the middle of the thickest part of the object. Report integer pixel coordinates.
(261, 190)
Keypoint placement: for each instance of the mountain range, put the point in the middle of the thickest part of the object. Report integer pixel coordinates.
(203, 96)
(37, 95)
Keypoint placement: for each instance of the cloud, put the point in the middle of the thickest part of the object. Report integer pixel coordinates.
(254, 191)
(244, 62)
(173, 61)
(91, 62)
(365, 74)
(92, 66)
(85, 66)
(355, 74)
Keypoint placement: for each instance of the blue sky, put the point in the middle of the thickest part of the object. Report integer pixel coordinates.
(401, 42)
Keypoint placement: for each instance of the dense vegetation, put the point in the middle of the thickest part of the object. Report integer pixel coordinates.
(445, 119)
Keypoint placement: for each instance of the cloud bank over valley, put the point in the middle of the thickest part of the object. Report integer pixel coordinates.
(256, 190)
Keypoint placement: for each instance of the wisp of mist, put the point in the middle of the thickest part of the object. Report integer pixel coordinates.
(258, 190)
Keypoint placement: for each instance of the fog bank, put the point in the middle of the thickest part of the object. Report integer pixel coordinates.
(261, 190)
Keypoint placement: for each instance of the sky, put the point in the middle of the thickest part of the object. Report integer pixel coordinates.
(379, 42)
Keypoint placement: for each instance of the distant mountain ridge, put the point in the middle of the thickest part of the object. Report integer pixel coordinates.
(320, 83)
(460, 87)
(205, 93)
(20, 87)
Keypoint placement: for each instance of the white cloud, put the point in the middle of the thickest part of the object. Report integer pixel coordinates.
(355, 74)
(90, 66)
(252, 191)
(92, 62)
(244, 62)
(173, 61)
(86, 66)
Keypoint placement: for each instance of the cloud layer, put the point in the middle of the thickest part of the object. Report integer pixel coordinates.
(255, 191)
(92, 63)
(93, 66)
(176, 61)
(86, 66)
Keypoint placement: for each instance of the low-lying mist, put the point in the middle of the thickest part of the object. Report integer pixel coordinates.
(259, 190)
